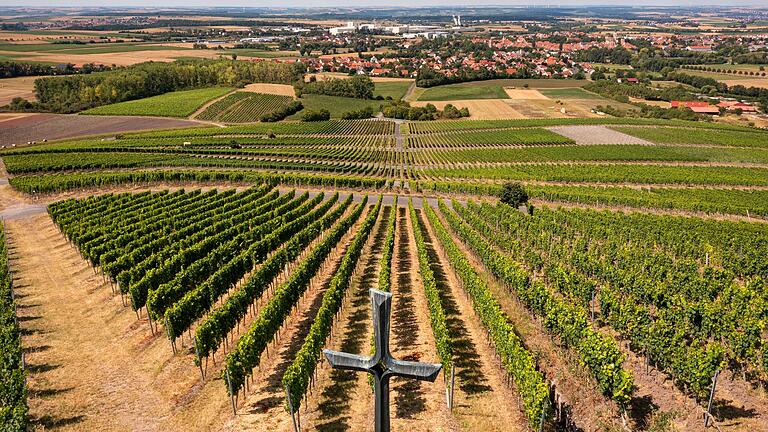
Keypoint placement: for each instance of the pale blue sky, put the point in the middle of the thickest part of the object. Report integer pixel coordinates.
(358, 3)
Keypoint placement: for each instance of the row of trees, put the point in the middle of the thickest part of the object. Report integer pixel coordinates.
(359, 87)
(77, 92)
(11, 69)
(404, 110)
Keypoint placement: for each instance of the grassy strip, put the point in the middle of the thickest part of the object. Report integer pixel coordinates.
(175, 104)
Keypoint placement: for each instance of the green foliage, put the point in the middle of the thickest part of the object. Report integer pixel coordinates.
(513, 194)
(699, 136)
(271, 316)
(286, 110)
(515, 358)
(62, 182)
(174, 104)
(359, 87)
(473, 90)
(443, 341)
(260, 106)
(404, 110)
(77, 92)
(316, 116)
(562, 316)
(361, 114)
(297, 376)
(13, 388)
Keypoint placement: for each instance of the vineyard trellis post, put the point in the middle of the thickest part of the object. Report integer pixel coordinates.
(296, 426)
(711, 397)
(231, 395)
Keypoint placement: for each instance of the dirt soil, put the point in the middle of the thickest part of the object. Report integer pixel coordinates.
(597, 135)
(483, 402)
(59, 126)
(23, 87)
(480, 109)
(277, 89)
(524, 94)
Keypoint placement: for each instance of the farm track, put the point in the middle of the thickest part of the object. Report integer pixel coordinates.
(482, 399)
(207, 104)
(412, 338)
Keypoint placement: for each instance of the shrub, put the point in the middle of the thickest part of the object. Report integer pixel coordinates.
(364, 113)
(513, 194)
(283, 112)
(316, 115)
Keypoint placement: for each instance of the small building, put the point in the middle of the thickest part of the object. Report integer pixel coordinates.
(697, 107)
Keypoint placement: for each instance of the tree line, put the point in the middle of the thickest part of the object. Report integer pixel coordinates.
(359, 87)
(11, 69)
(78, 92)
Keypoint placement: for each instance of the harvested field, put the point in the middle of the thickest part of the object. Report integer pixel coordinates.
(120, 58)
(662, 104)
(748, 82)
(38, 127)
(480, 109)
(17, 87)
(276, 89)
(525, 94)
(597, 135)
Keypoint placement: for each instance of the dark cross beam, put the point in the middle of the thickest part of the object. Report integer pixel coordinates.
(382, 365)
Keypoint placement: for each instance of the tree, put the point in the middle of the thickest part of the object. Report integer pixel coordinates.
(513, 194)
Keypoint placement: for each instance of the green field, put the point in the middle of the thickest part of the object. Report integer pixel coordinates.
(394, 89)
(474, 90)
(252, 108)
(174, 104)
(336, 105)
(99, 48)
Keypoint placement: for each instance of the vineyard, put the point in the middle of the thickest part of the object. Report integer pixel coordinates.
(174, 104)
(212, 266)
(244, 107)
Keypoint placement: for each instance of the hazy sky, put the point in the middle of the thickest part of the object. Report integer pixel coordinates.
(342, 3)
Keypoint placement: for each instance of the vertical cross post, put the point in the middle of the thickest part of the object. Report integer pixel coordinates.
(382, 365)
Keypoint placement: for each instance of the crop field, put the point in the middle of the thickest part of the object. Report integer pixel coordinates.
(394, 89)
(569, 93)
(335, 105)
(210, 266)
(472, 90)
(699, 137)
(174, 104)
(228, 282)
(243, 107)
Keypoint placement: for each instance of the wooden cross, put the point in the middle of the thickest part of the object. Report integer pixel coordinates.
(382, 365)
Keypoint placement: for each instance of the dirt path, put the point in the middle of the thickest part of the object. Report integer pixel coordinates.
(482, 399)
(417, 405)
(409, 93)
(205, 106)
(74, 328)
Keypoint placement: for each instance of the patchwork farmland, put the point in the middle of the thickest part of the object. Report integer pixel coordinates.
(232, 257)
